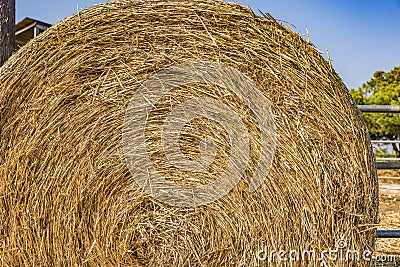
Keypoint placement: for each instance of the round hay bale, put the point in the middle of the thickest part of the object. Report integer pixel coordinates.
(73, 184)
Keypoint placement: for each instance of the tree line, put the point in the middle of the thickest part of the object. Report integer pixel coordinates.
(382, 89)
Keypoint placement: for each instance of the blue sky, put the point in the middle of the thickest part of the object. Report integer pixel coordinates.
(362, 36)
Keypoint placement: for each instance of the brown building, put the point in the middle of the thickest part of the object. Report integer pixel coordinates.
(28, 29)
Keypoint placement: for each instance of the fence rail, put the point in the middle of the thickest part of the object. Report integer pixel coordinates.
(385, 141)
(388, 234)
(387, 159)
(388, 165)
(379, 108)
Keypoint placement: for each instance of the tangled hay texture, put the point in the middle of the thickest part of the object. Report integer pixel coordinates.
(67, 197)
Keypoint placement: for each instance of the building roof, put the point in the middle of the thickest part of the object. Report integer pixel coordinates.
(28, 29)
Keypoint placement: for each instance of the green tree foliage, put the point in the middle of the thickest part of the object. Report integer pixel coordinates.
(382, 89)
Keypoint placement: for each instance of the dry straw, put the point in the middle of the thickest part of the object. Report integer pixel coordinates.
(67, 197)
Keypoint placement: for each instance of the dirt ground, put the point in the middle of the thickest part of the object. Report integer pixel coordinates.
(389, 213)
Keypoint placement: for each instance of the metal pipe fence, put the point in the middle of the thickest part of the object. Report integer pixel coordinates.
(379, 108)
(384, 165)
